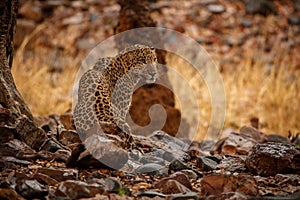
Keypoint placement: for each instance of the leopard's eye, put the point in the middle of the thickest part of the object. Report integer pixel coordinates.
(152, 48)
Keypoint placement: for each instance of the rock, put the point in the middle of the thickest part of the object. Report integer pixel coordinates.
(178, 176)
(195, 152)
(67, 137)
(152, 169)
(294, 20)
(216, 9)
(45, 179)
(187, 195)
(59, 174)
(296, 4)
(75, 19)
(9, 159)
(16, 148)
(278, 138)
(253, 133)
(172, 187)
(206, 164)
(67, 120)
(9, 194)
(31, 11)
(51, 146)
(31, 189)
(227, 195)
(115, 186)
(270, 159)
(217, 184)
(7, 134)
(152, 159)
(189, 173)
(246, 23)
(263, 7)
(235, 143)
(150, 194)
(78, 189)
(232, 164)
(102, 152)
(173, 148)
(178, 165)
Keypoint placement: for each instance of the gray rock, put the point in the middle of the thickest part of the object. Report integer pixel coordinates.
(263, 7)
(206, 164)
(152, 169)
(216, 9)
(294, 20)
(31, 189)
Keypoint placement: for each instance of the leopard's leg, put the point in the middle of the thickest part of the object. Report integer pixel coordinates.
(126, 135)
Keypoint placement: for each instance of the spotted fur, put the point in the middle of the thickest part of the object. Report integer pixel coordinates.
(105, 91)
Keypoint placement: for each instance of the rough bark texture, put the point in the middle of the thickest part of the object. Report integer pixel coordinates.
(135, 14)
(13, 111)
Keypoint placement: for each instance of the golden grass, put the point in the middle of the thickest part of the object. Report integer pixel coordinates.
(271, 96)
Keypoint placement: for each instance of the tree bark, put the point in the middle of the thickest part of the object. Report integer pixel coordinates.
(14, 113)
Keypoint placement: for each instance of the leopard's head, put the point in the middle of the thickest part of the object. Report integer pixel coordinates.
(142, 61)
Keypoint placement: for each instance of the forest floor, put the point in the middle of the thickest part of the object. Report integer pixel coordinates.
(256, 50)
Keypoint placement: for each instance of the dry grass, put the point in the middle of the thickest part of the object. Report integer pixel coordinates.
(251, 91)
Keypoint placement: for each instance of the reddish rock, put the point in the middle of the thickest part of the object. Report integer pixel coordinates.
(271, 158)
(217, 184)
(78, 189)
(172, 187)
(178, 176)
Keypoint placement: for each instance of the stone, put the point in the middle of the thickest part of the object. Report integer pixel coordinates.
(294, 20)
(186, 195)
(270, 159)
(228, 195)
(152, 169)
(232, 164)
(7, 134)
(178, 176)
(16, 161)
(59, 174)
(67, 121)
(45, 179)
(253, 133)
(178, 165)
(278, 138)
(216, 9)
(172, 187)
(150, 194)
(189, 173)
(102, 152)
(217, 184)
(31, 189)
(9, 194)
(235, 143)
(15, 148)
(75, 19)
(52, 146)
(67, 137)
(263, 7)
(78, 189)
(115, 186)
(206, 164)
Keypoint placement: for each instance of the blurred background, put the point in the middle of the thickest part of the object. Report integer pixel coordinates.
(255, 45)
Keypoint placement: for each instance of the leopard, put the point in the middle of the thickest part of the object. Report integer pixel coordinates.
(105, 91)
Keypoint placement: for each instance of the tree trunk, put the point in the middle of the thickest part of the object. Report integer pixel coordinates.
(14, 113)
(135, 14)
